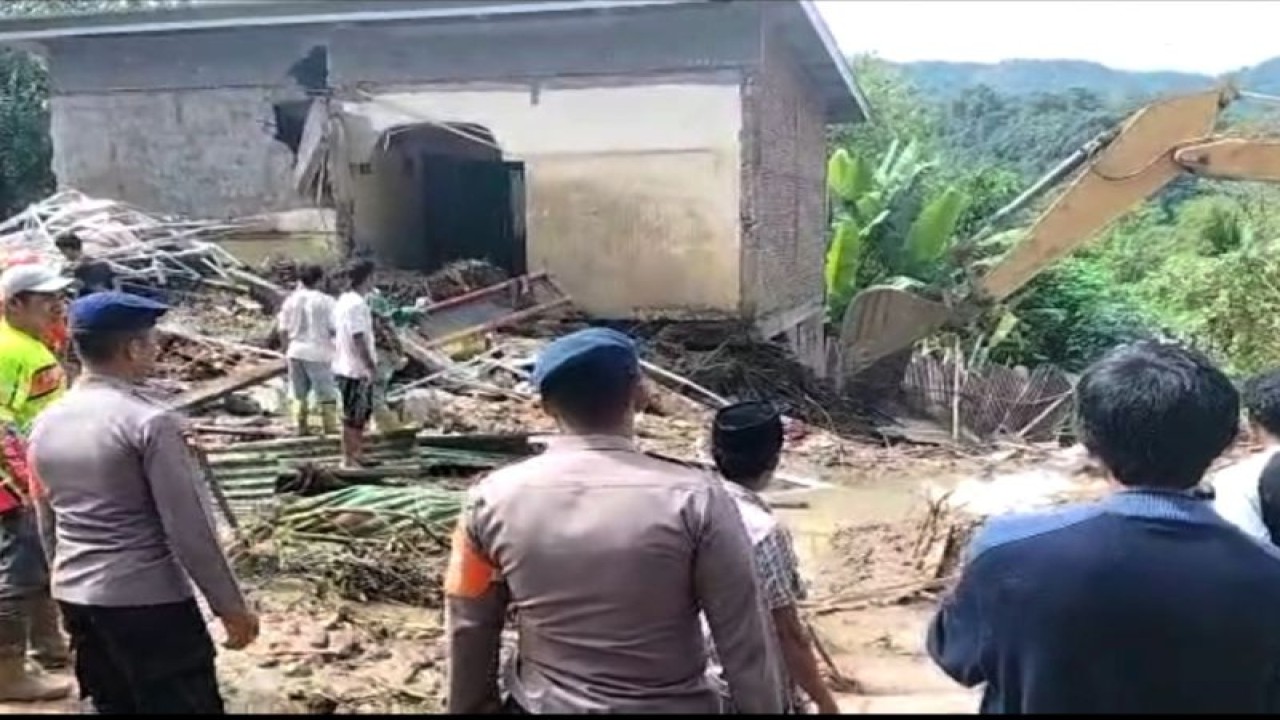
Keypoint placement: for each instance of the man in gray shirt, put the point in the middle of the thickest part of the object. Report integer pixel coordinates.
(131, 526)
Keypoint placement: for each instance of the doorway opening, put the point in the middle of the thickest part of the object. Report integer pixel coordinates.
(447, 194)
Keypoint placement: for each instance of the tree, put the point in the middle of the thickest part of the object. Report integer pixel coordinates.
(26, 151)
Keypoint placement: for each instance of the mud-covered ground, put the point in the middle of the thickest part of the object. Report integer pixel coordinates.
(324, 656)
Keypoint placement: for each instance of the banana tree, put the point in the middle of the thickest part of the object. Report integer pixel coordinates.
(864, 200)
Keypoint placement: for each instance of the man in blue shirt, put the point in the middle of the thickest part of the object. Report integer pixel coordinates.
(1145, 602)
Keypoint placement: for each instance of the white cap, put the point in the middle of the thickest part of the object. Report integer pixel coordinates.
(31, 278)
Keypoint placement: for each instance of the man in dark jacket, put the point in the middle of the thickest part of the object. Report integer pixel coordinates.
(1146, 602)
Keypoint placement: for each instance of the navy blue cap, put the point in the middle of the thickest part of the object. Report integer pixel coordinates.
(114, 311)
(600, 352)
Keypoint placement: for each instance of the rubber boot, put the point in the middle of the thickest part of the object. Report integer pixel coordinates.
(301, 419)
(44, 630)
(329, 418)
(17, 684)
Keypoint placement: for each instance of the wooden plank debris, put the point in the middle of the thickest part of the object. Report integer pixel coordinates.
(216, 389)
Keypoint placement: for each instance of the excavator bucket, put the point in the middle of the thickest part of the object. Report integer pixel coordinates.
(882, 321)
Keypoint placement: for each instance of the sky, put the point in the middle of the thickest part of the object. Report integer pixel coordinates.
(1204, 36)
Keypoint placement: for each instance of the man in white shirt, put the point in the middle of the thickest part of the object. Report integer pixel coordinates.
(306, 322)
(355, 362)
(1247, 493)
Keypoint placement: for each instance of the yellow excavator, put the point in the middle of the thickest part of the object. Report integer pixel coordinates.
(1114, 173)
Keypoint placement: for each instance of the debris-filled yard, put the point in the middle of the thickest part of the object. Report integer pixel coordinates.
(345, 565)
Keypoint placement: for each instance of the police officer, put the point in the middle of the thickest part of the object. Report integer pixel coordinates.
(607, 555)
(128, 515)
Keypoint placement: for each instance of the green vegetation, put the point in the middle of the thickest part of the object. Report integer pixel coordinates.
(1200, 262)
(25, 149)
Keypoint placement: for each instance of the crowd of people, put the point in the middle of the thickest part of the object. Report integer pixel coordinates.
(635, 583)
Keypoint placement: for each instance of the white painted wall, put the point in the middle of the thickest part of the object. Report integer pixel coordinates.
(633, 190)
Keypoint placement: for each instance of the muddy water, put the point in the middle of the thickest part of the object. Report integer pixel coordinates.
(881, 647)
(879, 500)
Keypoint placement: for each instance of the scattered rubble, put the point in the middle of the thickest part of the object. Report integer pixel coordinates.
(729, 360)
(381, 535)
(403, 287)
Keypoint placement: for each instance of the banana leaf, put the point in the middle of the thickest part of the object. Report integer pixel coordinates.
(933, 229)
(844, 254)
(848, 177)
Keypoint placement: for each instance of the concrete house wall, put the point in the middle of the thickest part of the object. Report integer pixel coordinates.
(677, 152)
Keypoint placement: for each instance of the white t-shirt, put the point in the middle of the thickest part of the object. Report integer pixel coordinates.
(351, 317)
(306, 318)
(1235, 494)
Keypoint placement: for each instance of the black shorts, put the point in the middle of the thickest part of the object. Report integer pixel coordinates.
(156, 660)
(357, 401)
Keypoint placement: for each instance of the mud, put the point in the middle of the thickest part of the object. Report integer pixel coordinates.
(323, 657)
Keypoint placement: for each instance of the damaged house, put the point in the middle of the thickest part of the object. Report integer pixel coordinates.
(660, 158)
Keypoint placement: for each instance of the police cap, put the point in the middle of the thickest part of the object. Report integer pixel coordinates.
(113, 311)
(594, 353)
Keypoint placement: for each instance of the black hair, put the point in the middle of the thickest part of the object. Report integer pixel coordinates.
(589, 401)
(746, 442)
(1157, 415)
(69, 242)
(358, 272)
(310, 275)
(102, 347)
(1262, 401)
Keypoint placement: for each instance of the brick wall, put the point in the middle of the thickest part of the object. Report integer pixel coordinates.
(783, 180)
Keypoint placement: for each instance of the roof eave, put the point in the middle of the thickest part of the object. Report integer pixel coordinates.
(26, 31)
(860, 111)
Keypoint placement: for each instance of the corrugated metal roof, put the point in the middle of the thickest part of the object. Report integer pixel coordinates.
(808, 32)
(247, 471)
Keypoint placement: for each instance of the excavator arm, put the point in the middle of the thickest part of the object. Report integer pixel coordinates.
(1155, 145)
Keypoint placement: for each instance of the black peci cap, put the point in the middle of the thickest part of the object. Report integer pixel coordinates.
(750, 426)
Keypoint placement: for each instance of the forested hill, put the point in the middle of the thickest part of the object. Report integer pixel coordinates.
(944, 80)
(1025, 115)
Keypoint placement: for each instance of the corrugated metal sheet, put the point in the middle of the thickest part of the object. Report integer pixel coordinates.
(247, 471)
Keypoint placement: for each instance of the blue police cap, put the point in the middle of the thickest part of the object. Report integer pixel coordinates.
(600, 352)
(114, 311)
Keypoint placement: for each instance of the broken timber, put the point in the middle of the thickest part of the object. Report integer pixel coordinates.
(216, 389)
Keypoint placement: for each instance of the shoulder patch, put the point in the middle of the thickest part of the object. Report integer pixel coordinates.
(47, 379)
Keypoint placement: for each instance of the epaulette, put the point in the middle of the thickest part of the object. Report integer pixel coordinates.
(690, 464)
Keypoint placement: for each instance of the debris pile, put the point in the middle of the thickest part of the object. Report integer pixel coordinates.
(403, 287)
(189, 361)
(139, 247)
(727, 359)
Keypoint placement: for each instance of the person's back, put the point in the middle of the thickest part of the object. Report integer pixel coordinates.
(606, 555)
(632, 522)
(91, 457)
(307, 319)
(1146, 602)
(1142, 603)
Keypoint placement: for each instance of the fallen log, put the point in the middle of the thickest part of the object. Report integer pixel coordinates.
(208, 392)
